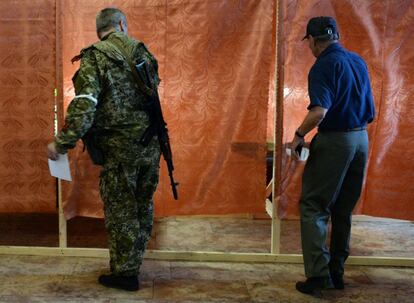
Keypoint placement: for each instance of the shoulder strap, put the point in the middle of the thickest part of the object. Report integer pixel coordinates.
(143, 87)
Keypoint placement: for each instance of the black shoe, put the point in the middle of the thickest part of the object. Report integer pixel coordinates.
(313, 286)
(338, 281)
(121, 282)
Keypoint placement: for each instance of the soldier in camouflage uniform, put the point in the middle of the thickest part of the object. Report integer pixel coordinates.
(109, 101)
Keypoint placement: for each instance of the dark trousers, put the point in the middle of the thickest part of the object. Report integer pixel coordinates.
(331, 186)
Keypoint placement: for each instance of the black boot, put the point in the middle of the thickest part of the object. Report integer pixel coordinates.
(338, 281)
(129, 283)
(313, 286)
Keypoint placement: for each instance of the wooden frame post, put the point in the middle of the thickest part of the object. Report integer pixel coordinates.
(58, 94)
(275, 237)
(63, 243)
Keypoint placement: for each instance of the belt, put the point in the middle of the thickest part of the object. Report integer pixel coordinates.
(356, 129)
(344, 130)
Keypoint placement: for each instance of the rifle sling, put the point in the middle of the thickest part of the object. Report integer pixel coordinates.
(165, 147)
(142, 86)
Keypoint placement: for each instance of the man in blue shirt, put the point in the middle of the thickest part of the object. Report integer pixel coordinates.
(341, 106)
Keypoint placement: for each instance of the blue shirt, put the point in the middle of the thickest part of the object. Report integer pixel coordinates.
(339, 82)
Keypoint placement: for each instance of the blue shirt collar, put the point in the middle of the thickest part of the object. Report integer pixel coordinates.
(329, 49)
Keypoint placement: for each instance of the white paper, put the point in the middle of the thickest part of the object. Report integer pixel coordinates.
(60, 168)
(303, 155)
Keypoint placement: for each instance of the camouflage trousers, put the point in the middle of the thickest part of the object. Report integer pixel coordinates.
(128, 206)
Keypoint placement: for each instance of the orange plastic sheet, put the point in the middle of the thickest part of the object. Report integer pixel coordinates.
(27, 81)
(215, 62)
(380, 31)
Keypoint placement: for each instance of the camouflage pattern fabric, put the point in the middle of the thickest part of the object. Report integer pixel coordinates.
(127, 192)
(109, 102)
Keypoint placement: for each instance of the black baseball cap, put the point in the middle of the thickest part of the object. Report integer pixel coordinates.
(321, 26)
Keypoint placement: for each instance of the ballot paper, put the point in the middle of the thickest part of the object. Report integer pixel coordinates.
(60, 168)
(303, 155)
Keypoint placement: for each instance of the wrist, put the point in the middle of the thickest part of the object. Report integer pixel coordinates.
(59, 149)
(298, 134)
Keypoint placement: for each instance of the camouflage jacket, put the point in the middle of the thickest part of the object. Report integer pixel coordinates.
(109, 100)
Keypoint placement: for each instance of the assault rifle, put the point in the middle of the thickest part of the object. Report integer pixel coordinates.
(158, 126)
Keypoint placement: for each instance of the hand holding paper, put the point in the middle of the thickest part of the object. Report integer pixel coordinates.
(51, 151)
(303, 156)
(60, 168)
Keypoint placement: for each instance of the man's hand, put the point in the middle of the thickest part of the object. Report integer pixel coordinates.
(52, 154)
(294, 144)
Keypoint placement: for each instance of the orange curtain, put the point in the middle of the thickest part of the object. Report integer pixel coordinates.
(380, 31)
(215, 61)
(27, 81)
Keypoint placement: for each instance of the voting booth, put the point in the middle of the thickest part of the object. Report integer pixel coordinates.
(233, 91)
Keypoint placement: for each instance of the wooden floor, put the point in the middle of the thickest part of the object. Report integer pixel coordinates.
(72, 279)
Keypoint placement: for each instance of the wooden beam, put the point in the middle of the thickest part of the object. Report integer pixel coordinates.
(276, 227)
(200, 256)
(277, 125)
(63, 233)
(58, 114)
(54, 251)
(380, 261)
(222, 257)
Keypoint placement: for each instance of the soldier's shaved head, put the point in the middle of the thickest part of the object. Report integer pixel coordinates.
(110, 18)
